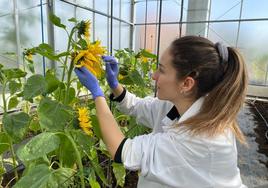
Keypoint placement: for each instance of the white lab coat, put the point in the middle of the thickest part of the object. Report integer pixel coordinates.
(171, 158)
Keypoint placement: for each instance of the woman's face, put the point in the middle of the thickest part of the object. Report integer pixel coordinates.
(168, 86)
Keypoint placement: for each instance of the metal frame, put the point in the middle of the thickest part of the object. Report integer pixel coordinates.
(110, 17)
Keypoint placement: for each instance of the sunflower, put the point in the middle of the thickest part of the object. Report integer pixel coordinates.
(84, 120)
(28, 54)
(91, 58)
(83, 29)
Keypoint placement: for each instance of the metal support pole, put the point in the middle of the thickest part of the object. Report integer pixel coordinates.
(132, 28)
(43, 37)
(111, 29)
(145, 22)
(17, 30)
(239, 23)
(158, 39)
(50, 31)
(181, 17)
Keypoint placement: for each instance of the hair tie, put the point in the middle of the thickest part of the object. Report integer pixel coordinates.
(223, 51)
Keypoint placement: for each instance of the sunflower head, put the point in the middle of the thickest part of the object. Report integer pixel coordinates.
(28, 54)
(83, 29)
(84, 120)
(91, 58)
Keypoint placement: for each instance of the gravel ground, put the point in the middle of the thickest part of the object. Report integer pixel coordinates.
(253, 161)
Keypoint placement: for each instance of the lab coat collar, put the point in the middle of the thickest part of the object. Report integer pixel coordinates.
(173, 113)
(193, 110)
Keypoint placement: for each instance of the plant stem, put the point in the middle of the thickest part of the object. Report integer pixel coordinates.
(79, 160)
(4, 96)
(66, 58)
(68, 82)
(14, 160)
(68, 49)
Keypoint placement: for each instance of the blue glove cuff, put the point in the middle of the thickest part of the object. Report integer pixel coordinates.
(98, 93)
(113, 84)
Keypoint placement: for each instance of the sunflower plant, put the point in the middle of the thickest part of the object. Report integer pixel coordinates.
(66, 147)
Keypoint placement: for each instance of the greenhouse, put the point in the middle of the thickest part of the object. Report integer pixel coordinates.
(134, 93)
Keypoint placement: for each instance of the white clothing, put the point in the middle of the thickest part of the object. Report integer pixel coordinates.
(168, 157)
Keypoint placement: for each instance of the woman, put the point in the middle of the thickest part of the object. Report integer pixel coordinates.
(200, 89)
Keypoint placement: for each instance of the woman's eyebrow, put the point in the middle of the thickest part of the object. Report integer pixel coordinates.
(161, 65)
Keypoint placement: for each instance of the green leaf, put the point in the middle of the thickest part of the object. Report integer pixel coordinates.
(120, 173)
(62, 54)
(52, 82)
(41, 176)
(83, 43)
(16, 125)
(54, 115)
(145, 53)
(14, 86)
(34, 125)
(93, 183)
(136, 78)
(84, 141)
(47, 51)
(71, 95)
(96, 165)
(56, 21)
(4, 142)
(14, 73)
(73, 20)
(35, 85)
(13, 102)
(39, 146)
(66, 154)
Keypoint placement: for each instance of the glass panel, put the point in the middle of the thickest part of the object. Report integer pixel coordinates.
(223, 32)
(225, 9)
(139, 37)
(255, 9)
(171, 11)
(6, 6)
(253, 39)
(7, 34)
(151, 38)
(168, 33)
(24, 4)
(101, 5)
(125, 36)
(7, 41)
(31, 33)
(116, 35)
(101, 30)
(64, 11)
(140, 12)
(116, 8)
(126, 10)
(86, 3)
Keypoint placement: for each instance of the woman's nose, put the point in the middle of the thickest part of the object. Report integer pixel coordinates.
(154, 76)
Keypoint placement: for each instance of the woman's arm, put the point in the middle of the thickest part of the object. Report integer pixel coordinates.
(111, 133)
(118, 90)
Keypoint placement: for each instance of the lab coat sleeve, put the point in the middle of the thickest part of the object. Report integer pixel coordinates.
(146, 110)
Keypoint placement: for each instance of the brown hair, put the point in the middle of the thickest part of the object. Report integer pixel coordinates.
(223, 83)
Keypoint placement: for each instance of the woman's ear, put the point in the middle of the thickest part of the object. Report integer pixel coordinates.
(188, 84)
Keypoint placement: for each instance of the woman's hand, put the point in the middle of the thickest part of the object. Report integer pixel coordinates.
(111, 71)
(89, 81)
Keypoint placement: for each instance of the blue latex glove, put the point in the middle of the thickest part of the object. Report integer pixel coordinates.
(111, 71)
(89, 81)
